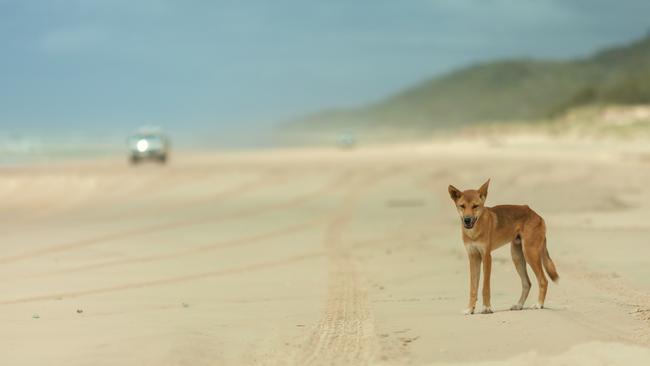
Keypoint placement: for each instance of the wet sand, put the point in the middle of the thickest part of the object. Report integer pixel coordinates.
(320, 256)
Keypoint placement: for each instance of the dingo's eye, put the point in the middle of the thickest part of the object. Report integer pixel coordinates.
(474, 206)
(462, 206)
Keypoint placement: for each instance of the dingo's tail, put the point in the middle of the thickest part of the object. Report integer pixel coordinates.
(549, 266)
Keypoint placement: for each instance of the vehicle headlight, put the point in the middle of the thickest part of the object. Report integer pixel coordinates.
(142, 145)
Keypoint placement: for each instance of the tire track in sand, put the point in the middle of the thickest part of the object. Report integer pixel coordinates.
(630, 300)
(165, 281)
(202, 275)
(266, 179)
(141, 231)
(347, 313)
(345, 334)
(288, 230)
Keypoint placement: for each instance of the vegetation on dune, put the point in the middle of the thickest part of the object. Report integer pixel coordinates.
(504, 91)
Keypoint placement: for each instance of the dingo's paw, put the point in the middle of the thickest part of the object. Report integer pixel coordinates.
(487, 310)
(468, 311)
(516, 307)
(538, 306)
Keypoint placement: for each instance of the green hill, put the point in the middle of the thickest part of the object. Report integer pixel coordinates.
(504, 91)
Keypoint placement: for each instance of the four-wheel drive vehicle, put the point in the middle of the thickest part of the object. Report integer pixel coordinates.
(148, 145)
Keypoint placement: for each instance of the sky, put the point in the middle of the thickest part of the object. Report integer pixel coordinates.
(204, 68)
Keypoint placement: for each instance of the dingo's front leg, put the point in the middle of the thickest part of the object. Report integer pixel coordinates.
(487, 270)
(474, 276)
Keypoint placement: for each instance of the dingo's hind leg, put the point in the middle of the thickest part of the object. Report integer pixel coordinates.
(533, 247)
(520, 264)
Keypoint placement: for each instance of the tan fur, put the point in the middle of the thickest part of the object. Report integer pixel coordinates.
(485, 229)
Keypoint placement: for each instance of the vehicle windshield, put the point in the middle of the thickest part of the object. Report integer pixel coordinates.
(146, 137)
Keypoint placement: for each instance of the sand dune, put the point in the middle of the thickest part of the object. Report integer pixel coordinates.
(319, 256)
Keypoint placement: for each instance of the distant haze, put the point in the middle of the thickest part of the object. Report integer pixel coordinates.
(222, 71)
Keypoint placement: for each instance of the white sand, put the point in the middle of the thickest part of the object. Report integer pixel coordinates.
(319, 257)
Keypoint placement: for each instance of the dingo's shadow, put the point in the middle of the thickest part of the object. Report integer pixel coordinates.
(528, 308)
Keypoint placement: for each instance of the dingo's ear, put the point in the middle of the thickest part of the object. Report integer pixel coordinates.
(454, 193)
(483, 191)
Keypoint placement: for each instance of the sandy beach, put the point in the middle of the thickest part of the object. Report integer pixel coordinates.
(320, 256)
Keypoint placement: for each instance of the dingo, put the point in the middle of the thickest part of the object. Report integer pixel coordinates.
(488, 228)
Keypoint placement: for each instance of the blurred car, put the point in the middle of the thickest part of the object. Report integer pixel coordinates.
(148, 145)
(346, 140)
